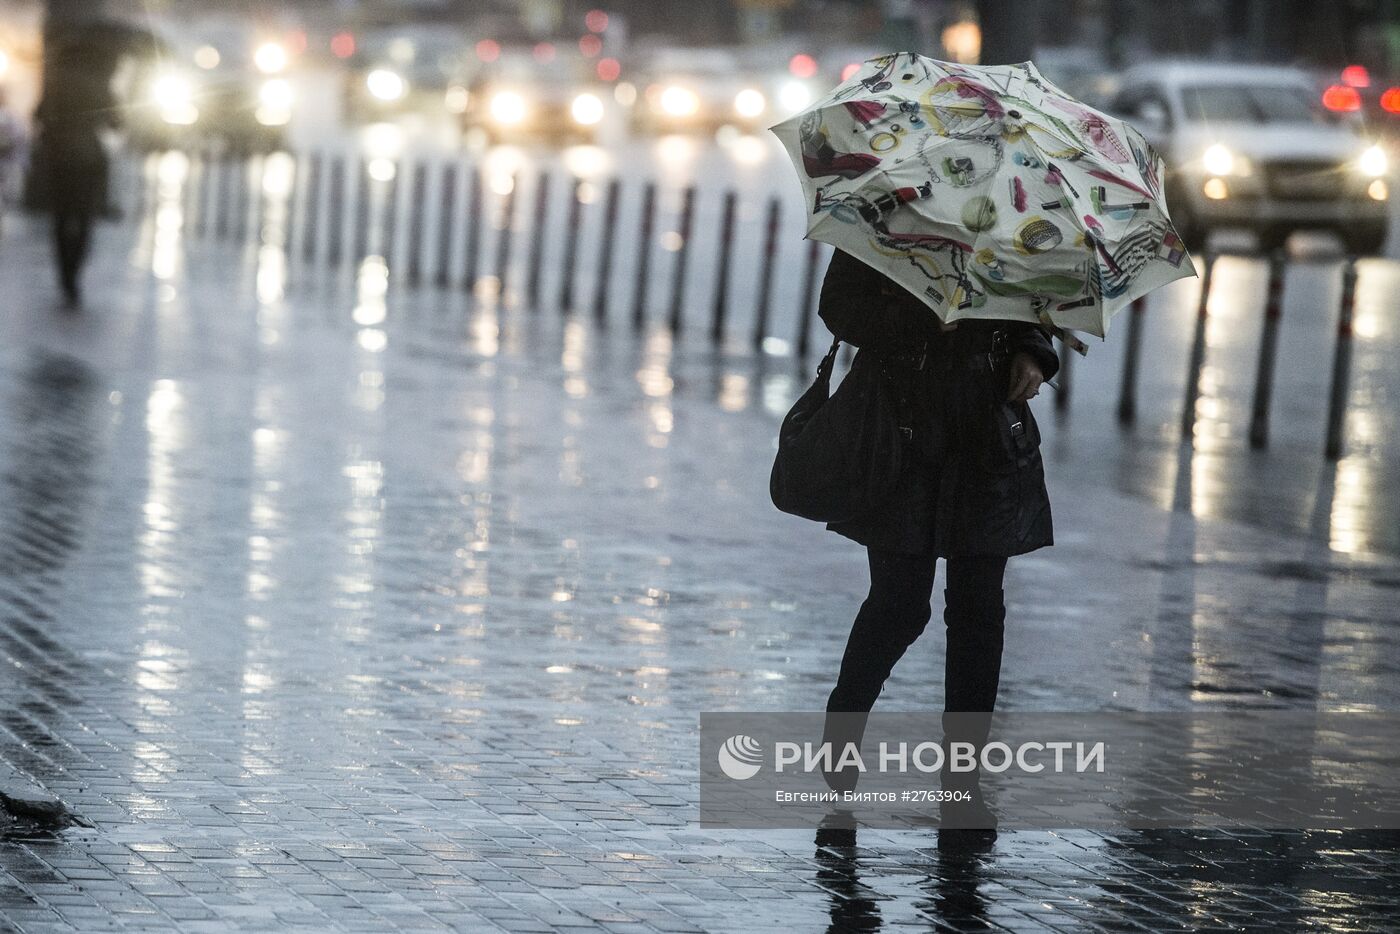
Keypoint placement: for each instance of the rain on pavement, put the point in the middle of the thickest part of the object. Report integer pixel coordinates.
(335, 604)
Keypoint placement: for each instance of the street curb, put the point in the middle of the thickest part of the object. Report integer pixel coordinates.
(23, 801)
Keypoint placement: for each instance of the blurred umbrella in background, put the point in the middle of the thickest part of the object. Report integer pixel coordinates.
(986, 191)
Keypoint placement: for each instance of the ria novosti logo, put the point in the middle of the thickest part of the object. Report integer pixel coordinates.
(740, 757)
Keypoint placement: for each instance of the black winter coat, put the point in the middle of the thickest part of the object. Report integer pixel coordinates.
(972, 482)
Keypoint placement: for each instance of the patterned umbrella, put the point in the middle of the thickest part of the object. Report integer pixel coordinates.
(987, 191)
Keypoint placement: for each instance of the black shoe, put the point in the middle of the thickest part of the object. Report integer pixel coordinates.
(837, 829)
(967, 826)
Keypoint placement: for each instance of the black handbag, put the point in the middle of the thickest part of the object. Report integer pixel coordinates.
(839, 456)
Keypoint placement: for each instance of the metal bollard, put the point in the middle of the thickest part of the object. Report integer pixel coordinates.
(472, 236)
(537, 235)
(1198, 353)
(1268, 350)
(258, 199)
(289, 210)
(804, 310)
(364, 188)
(1063, 382)
(389, 224)
(765, 275)
(189, 201)
(503, 242)
(335, 212)
(1127, 391)
(311, 217)
(241, 202)
(648, 220)
(1341, 364)
(224, 209)
(447, 215)
(209, 194)
(726, 244)
(566, 293)
(678, 278)
(140, 188)
(416, 219)
(605, 252)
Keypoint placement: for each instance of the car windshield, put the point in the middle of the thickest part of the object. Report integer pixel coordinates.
(1239, 103)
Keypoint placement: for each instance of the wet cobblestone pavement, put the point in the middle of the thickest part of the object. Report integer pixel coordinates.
(343, 614)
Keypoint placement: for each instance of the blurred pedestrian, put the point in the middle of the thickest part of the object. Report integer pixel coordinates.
(77, 106)
(12, 146)
(971, 491)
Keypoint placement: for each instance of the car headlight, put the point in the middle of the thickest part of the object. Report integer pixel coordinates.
(749, 103)
(677, 101)
(173, 96)
(270, 58)
(1373, 163)
(508, 108)
(587, 109)
(794, 96)
(1218, 160)
(457, 99)
(386, 85)
(274, 102)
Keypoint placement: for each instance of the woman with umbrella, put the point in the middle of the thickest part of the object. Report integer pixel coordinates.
(953, 196)
(77, 105)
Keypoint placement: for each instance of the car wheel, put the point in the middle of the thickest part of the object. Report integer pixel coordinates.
(1364, 239)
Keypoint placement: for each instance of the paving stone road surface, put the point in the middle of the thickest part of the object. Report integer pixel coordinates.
(338, 614)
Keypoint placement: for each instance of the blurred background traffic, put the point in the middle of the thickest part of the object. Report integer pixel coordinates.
(1299, 137)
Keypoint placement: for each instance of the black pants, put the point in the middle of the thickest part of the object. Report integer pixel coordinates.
(895, 614)
(72, 234)
(76, 189)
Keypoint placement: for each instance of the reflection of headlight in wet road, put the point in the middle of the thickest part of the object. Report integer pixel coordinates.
(174, 97)
(386, 85)
(587, 109)
(508, 108)
(749, 103)
(794, 96)
(274, 102)
(677, 101)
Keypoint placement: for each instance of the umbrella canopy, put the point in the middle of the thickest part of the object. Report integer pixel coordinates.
(986, 191)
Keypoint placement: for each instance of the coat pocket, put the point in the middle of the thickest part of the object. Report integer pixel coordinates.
(1017, 432)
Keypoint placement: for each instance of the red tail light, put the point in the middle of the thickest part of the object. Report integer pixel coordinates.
(343, 44)
(1356, 76)
(802, 65)
(1341, 97)
(1390, 101)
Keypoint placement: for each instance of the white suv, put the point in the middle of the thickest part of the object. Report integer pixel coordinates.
(1252, 146)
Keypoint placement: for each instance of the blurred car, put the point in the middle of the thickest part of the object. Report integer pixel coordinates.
(1253, 146)
(229, 90)
(1371, 98)
(518, 98)
(401, 71)
(701, 90)
(1082, 71)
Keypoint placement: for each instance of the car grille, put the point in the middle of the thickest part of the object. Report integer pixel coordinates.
(1310, 180)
